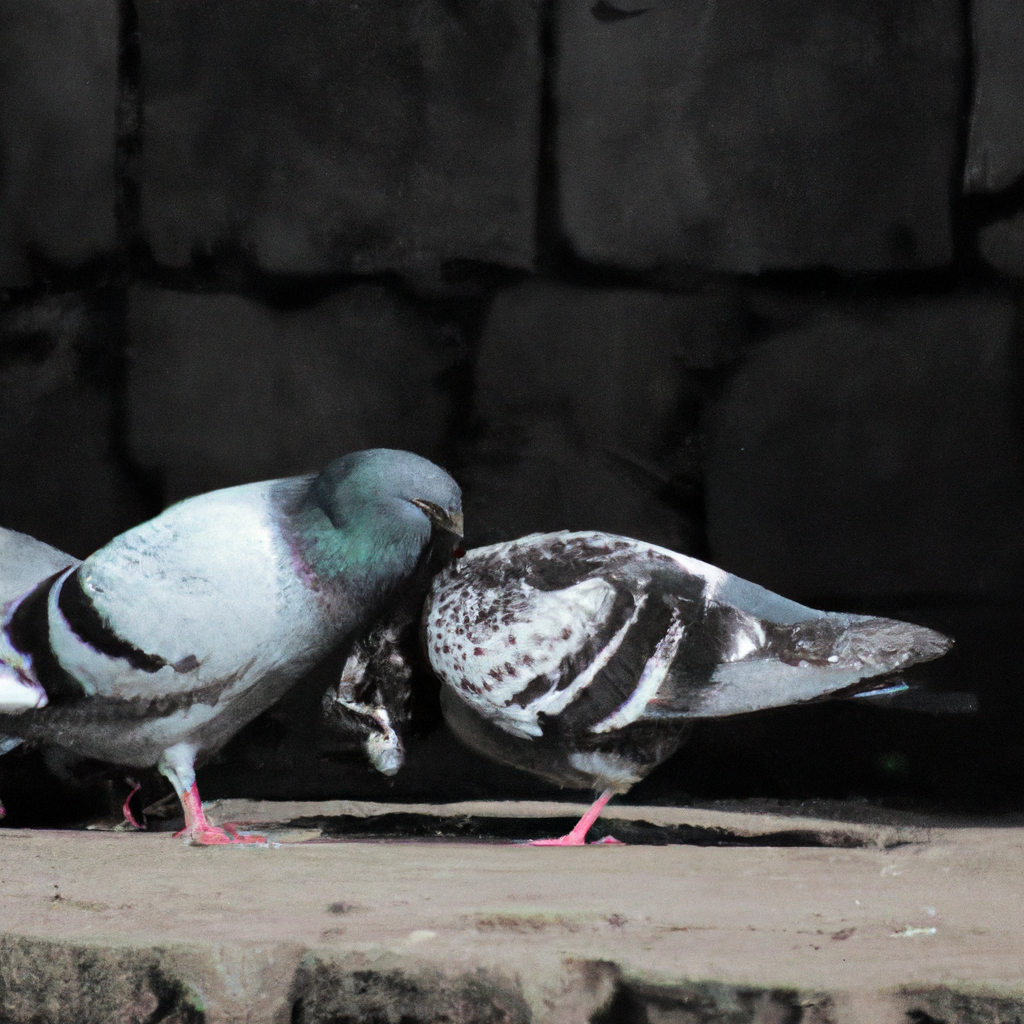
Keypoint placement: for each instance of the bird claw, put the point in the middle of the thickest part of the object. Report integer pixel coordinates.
(566, 840)
(213, 835)
(573, 840)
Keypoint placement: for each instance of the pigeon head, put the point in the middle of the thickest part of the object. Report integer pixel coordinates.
(372, 514)
(392, 485)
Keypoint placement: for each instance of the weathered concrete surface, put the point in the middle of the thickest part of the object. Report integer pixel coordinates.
(59, 478)
(995, 143)
(58, 104)
(223, 389)
(313, 138)
(584, 401)
(745, 136)
(100, 926)
(872, 448)
(1002, 245)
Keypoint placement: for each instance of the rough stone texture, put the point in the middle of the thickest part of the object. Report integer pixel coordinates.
(745, 136)
(44, 981)
(316, 138)
(1002, 245)
(873, 450)
(102, 927)
(995, 144)
(584, 398)
(59, 478)
(58, 102)
(224, 390)
(324, 992)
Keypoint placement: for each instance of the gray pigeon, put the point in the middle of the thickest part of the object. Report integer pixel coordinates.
(584, 657)
(163, 644)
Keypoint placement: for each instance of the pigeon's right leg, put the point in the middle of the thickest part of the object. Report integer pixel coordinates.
(578, 836)
(178, 765)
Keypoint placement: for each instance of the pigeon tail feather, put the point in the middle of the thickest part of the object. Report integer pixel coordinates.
(25, 562)
(834, 655)
(18, 694)
(889, 643)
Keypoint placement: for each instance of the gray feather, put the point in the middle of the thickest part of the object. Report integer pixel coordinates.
(25, 561)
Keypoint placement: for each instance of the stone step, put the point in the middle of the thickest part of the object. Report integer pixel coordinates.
(96, 926)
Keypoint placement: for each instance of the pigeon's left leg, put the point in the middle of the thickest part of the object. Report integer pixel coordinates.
(578, 836)
(126, 810)
(177, 765)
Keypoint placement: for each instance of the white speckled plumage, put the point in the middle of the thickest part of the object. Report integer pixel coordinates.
(583, 657)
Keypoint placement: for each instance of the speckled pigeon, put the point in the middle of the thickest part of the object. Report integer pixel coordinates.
(163, 644)
(584, 657)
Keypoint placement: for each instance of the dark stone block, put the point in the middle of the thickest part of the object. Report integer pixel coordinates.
(743, 136)
(60, 480)
(317, 138)
(995, 145)
(58, 102)
(585, 401)
(1002, 245)
(224, 390)
(874, 449)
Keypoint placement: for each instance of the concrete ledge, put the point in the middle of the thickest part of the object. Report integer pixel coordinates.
(106, 927)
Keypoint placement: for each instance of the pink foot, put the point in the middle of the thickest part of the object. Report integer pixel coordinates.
(566, 840)
(201, 833)
(571, 839)
(211, 835)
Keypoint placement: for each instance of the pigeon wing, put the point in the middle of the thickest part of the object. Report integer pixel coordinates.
(203, 595)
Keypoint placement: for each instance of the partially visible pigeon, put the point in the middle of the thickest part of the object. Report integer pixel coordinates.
(164, 643)
(24, 562)
(584, 657)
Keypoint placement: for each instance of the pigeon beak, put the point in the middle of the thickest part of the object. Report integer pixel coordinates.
(440, 518)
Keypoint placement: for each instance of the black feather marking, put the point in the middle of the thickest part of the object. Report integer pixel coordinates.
(573, 664)
(536, 687)
(82, 616)
(615, 683)
(811, 641)
(29, 632)
(704, 645)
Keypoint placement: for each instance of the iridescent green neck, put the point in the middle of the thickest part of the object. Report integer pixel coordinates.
(369, 549)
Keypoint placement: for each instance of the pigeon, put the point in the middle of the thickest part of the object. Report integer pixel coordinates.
(24, 562)
(163, 644)
(585, 657)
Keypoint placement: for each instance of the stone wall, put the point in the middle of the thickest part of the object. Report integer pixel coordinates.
(741, 279)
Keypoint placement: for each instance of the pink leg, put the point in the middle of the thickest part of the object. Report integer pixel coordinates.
(127, 809)
(578, 836)
(200, 831)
